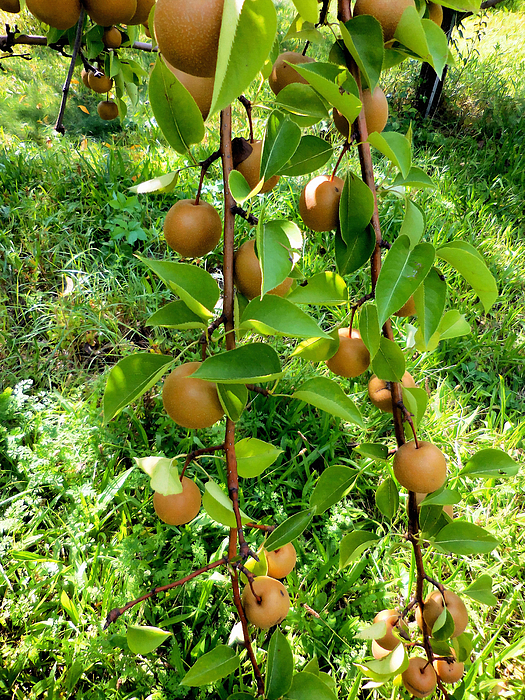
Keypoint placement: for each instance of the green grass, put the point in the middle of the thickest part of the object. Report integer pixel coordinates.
(76, 519)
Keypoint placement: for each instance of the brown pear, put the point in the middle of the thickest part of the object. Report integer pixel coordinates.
(192, 230)
(110, 12)
(282, 74)
(434, 606)
(319, 203)
(380, 394)
(60, 14)
(408, 309)
(393, 620)
(375, 106)
(201, 89)
(107, 110)
(421, 470)
(247, 273)
(191, 402)
(420, 678)
(251, 167)
(84, 74)
(112, 38)
(141, 15)
(449, 670)
(435, 13)
(273, 604)
(100, 84)
(178, 508)
(352, 357)
(10, 6)
(387, 12)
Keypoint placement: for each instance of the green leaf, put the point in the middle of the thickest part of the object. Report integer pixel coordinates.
(240, 189)
(279, 667)
(274, 251)
(350, 258)
(163, 184)
(463, 5)
(327, 395)
(252, 363)
(413, 224)
(490, 463)
(356, 207)
(254, 456)
(396, 147)
(175, 110)
(369, 329)
(308, 9)
(468, 262)
(130, 378)
(442, 497)
(332, 486)
(444, 626)
(302, 100)
(430, 298)
(312, 666)
(416, 400)
(281, 140)
(175, 315)
(387, 498)
(375, 631)
(240, 696)
(463, 646)
(257, 568)
(437, 45)
(219, 507)
(392, 665)
(196, 287)
(460, 537)
(389, 362)
(69, 607)
(216, 664)
(307, 686)
(481, 590)
(233, 398)
(289, 530)
(248, 32)
(415, 178)
(372, 451)
(311, 154)
(144, 639)
(317, 349)
(452, 325)
(401, 274)
(326, 288)
(354, 544)
(163, 473)
(327, 79)
(431, 520)
(273, 315)
(363, 38)
(428, 42)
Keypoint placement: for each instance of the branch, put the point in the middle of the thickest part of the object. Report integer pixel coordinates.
(65, 90)
(250, 218)
(246, 634)
(199, 453)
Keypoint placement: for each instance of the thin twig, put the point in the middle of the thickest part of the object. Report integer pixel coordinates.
(246, 634)
(250, 218)
(248, 107)
(258, 389)
(199, 453)
(65, 90)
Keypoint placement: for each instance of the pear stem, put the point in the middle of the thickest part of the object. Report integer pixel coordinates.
(343, 151)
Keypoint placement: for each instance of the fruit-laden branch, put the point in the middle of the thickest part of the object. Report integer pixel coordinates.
(7, 41)
(65, 90)
(246, 634)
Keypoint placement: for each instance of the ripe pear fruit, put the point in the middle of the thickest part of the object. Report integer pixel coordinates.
(192, 230)
(375, 106)
(319, 203)
(101, 85)
(420, 678)
(201, 89)
(60, 14)
(281, 561)
(449, 671)
(191, 402)
(380, 395)
(108, 13)
(387, 12)
(282, 74)
(352, 357)
(112, 38)
(408, 309)
(392, 618)
(378, 652)
(247, 273)
(10, 6)
(274, 604)
(433, 608)
(251, 168)
(422, 470)
(107, 110)
(84, 74)
(435, 13)
(179, 508)
(188, 34)
(141, 15)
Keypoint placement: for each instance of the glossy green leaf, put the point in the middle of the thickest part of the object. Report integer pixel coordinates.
(219, 507)
(416, 401)
(307, 686)
(274, 251)
(289, 530)
(302, 100)
(369, 328)
(254, 456)
(460, 537)
(175, 110)
(196, 287)
(327, 395)
(162, 184)
(481, 590)
(233, 398)
(428, 42)
(375, 631)
(413, 224)
(469, 262)
(163, 473)
(325, 288)
(442, 497)
(463, 5)
(309, 9)
(416, 178)
(273, 315)
(463, 646)
(363, 37)
(430, 298)
(444, 626)
(437, 45)
(145, 639)
(280, 665)
(240, 189)
(312, 666)
(175, 315)
(350, 258)
(395, 147)
(431, 520)
(303, 30)
(392, 665)
(326, 79)
(401, 274)
(332, 486)
(130, 378)
(387, 498)
(311, 154)
(252, 363)
(389, 362)
(372, 450)
(354, 544)
(317, 349)
(247, 35)
(356, 207)
(452, 325)
(69, 607)
(257, 568)
(490, 463)
(281, 140)
(216, 664)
